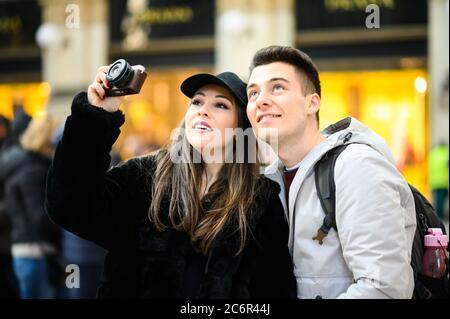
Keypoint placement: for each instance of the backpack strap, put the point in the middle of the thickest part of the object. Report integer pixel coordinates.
(326, 188)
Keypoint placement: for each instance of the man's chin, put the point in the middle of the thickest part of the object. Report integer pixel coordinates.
(267, 134)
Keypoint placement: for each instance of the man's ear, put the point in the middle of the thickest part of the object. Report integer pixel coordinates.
(313, 102)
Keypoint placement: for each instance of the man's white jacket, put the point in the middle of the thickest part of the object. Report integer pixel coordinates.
(369, 256)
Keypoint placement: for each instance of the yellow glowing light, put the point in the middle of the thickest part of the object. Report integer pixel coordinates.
(40, 114)
(45, 89)
(382, 112)
(420, 84)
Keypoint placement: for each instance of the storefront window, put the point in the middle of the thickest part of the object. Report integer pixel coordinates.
(393, 104)
(33, 97)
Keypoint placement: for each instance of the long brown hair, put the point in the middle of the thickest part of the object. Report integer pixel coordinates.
(232, 194)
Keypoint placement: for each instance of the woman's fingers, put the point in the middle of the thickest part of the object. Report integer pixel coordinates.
(92, 92)
(100, 90)
(101, 78)
(96, 90)
(104, 68)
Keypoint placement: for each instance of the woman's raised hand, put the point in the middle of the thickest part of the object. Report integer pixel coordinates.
(97, 95)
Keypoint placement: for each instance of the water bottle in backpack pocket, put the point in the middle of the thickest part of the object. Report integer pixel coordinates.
(433, 277)
(435, 255)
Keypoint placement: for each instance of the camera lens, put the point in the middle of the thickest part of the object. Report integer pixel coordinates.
(120, 73)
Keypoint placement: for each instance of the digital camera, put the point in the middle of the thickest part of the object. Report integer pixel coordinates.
(125, 79)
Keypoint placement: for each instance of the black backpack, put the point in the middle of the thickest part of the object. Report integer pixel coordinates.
(425, 287)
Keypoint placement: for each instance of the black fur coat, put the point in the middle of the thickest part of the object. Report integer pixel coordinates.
(110, 208)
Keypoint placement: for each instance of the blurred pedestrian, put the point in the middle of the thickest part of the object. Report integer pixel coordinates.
(172, 228)
(4, 129)
(8, 284)
(438, 177)
(11, 158)
(35, 240)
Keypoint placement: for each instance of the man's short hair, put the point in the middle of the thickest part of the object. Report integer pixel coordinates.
(302, 63)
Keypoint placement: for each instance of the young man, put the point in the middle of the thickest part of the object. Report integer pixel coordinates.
(369, 256)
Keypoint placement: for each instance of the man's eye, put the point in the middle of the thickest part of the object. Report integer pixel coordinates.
(252, 94)
(278, 87)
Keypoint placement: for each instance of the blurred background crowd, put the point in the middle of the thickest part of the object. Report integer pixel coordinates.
(387, 65)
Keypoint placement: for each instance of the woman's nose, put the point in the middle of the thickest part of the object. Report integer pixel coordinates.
(203, 111)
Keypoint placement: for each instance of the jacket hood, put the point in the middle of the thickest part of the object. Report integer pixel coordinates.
(350, 130)
(347, 130)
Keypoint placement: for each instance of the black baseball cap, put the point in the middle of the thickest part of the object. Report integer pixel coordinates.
(228, 80)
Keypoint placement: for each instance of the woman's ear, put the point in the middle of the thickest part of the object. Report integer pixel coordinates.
(313, 103)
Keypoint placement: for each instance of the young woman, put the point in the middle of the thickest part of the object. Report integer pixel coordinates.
(172, 228)
(35, 239)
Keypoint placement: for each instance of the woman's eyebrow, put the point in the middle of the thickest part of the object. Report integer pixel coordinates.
(223, 96)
